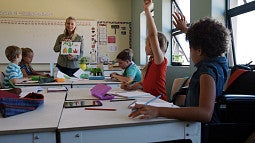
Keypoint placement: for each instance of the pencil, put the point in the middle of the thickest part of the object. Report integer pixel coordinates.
(104, 109)
(148, 102)
(116, 100)
(153, 99)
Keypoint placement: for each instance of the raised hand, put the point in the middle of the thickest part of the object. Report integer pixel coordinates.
(180, 22)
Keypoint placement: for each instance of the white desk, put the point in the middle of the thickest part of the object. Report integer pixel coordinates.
(67, 84)
(93, 126)
(38, 126)
(85, 83)
(82, 83)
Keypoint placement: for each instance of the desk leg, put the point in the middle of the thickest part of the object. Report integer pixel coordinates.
(193, 131)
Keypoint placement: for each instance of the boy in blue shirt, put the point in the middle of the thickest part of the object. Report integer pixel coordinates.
(13, 74)
(132, 73)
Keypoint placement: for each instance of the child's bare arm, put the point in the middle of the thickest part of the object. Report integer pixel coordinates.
(19, 80)
(153, 34)
(24, 73)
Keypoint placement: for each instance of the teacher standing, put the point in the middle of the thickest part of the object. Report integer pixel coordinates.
(69, 64)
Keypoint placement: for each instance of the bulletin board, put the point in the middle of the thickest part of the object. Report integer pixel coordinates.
(41, 34)
(113, 37)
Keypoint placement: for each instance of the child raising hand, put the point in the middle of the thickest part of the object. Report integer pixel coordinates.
(154, 73)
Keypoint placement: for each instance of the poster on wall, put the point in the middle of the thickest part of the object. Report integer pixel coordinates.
(102, 34)
(113, 38)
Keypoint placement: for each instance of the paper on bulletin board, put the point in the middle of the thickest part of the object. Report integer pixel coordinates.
(112, 48)
(72, 48)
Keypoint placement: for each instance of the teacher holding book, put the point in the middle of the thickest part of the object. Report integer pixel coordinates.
(68, 59)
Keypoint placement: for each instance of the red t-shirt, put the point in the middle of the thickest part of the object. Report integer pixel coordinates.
(154, 81)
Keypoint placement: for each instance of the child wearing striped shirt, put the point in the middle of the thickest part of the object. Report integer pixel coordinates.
(13, 74)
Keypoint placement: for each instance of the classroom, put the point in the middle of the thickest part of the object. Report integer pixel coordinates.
(108, 27)
(112, 11)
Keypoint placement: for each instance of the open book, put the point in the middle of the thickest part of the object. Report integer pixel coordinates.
(129, 94)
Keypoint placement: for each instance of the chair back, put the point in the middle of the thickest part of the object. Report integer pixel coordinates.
(1, 79)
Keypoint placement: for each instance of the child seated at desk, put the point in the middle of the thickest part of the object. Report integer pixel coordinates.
(154, 73)
(13, 74)
(132, 73)
(25, 64)
(208, 40)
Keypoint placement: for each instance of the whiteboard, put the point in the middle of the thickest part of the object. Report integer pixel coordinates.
(41, 34)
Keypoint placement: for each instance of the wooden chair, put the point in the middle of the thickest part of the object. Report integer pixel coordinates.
(179, 88)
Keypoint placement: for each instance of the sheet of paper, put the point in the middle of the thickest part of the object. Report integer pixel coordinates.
(30, 81)
(157, 104)
(26, 90)
(80, 72)
(72, 48)
(130, 94)
(56, 89)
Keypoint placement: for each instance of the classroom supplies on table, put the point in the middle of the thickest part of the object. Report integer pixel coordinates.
(102, 109)
(46, 79)
(121, 99)
(40, 79)
(81, 74)
(12, 104)
(100, 91)
(82, 103)
(96, 77)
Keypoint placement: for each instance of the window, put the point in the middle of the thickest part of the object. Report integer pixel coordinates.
(236, 3)
(180, 47)
(143, 33)
(240, 21)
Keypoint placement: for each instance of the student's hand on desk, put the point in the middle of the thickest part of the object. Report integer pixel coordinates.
(112, 75)
(144, 111)
(126, 86)
(26, 79)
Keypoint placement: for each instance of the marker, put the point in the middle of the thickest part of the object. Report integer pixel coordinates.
(148, 102)
(116, 100)
(104, 109)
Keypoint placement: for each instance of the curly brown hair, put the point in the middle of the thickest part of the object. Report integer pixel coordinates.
(209, 35)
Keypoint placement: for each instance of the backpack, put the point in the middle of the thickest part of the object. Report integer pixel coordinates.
(241, 81)
(237, 103)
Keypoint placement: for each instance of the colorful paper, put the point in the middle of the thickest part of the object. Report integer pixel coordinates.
(72, 48)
